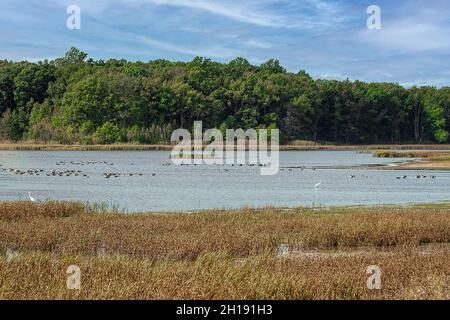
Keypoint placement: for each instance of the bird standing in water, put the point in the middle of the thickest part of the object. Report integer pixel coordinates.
(31, 198)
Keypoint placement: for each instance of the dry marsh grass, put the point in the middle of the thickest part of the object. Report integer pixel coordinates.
(24, 210)
(429, 155)
(219, 276)
(224, 255)
(307, 145)
(430, 160)
(66, 228)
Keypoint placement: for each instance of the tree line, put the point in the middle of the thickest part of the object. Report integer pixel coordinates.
(76, 99)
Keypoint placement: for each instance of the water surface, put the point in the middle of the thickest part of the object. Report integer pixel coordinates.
(162, 187)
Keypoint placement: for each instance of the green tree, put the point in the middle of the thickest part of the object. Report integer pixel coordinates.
(108, 133)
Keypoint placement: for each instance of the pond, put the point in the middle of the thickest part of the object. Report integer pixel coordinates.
(147, 181)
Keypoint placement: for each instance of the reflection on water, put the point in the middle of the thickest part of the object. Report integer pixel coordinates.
(144, 181)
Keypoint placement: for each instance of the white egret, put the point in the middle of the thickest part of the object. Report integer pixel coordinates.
(31, 198)
(318, 185)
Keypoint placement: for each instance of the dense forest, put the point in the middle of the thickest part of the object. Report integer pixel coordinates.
(76, 99)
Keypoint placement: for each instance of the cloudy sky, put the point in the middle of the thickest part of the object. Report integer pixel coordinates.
(327, 38)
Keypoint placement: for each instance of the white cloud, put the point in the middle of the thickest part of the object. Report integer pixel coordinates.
(265, 13)
(210, 51)
(231, 9)
(258, 44)
(302, 14)
(409, 35)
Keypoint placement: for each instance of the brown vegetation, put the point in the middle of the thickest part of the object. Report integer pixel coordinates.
(432, 155)
(238, 233)
(218, 276)
(430, 160)
(225, 255)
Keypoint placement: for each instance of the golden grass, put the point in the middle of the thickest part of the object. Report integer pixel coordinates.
(26, 211)
(238, 233)
(218, 276)
(224, 255)
(431, 155)
(430, 160)
(424, 165)
(302, 145)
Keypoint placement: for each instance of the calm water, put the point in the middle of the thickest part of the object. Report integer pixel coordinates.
(173, 188)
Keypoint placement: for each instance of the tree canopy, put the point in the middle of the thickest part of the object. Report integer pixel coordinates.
(76, 99)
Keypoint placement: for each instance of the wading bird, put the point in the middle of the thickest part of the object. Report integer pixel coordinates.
(31, 198)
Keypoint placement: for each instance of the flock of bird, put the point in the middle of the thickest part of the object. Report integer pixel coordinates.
(79, 173)
(301, 169)
(231, 165)
(52, 173)
(83, 163)
(419, 176)
(19, 172)
(220, 165)
(352, 176)
(67, 173)
(108, 175)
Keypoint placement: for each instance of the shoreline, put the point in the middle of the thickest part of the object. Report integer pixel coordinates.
(418, 164)
(425, 160)
(165, 147)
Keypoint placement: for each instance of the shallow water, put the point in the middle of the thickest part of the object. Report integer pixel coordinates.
(188, 188)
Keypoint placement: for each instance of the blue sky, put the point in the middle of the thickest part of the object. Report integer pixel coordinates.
(328, 39)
